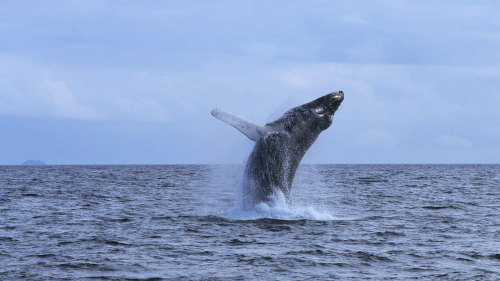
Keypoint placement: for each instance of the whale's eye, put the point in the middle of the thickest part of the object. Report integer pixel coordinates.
(318, 110)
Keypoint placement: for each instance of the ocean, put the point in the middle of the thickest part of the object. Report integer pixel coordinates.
(162, 222)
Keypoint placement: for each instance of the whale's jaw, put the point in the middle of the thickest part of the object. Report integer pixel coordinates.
(335, 100)
(327, 104)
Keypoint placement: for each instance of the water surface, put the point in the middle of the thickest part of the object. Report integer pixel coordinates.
(348, 222)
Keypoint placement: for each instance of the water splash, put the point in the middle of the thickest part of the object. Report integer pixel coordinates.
(277, 208)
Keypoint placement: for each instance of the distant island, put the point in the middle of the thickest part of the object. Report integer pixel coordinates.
(33, 162)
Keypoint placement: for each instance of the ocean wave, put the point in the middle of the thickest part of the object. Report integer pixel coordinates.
(277, 208)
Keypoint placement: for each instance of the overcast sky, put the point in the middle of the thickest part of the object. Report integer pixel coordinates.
(133, 82)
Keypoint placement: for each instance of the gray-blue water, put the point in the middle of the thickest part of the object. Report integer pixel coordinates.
(348, 222)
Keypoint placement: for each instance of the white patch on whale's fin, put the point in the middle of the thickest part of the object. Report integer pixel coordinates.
(269, 128)
(248, 128)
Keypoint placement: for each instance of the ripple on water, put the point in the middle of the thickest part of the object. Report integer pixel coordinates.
(348, 222)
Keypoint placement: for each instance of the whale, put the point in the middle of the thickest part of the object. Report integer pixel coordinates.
(280, 146)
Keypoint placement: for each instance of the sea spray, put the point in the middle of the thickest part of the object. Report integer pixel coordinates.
(278, 208)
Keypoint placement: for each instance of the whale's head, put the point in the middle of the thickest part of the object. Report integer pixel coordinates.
(307, 121)
(317, 115)
(304, 123)
(325, 106)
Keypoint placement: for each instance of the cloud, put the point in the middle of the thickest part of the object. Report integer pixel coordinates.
(57, 96)
(81, 93)
(141, 109)
(423, 68)
(452, 141)
(177, 33)
(30, 90)
(369, 50)
(375, 137)
(354, 18)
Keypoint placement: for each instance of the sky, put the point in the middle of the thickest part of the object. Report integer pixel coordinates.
(133, 82)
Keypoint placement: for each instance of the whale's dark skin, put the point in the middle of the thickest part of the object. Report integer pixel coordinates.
(277, 154)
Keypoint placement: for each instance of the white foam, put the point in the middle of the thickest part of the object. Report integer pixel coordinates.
(277, 208)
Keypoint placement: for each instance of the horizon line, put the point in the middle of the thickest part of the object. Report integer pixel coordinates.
(233, 164)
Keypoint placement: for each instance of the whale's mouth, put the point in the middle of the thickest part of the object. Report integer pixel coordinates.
(330, 103)
(335, 101)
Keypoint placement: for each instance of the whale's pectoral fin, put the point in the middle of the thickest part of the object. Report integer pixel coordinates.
(248, 128)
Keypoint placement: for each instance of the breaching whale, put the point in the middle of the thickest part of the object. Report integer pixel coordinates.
(280, 146)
